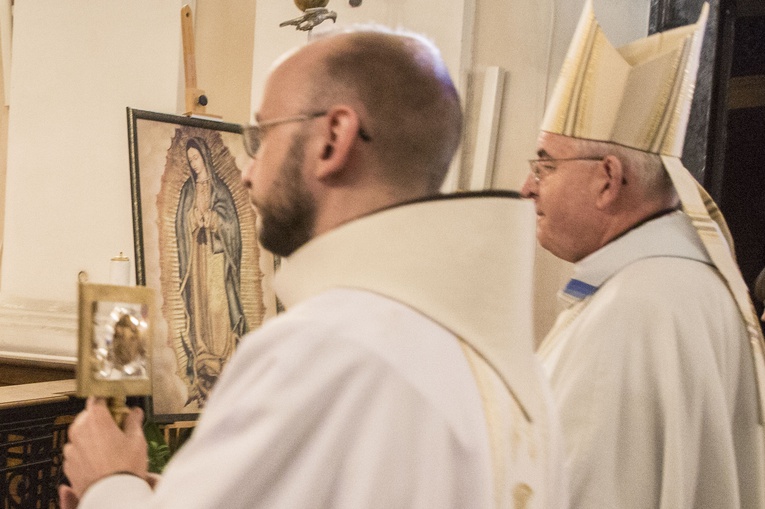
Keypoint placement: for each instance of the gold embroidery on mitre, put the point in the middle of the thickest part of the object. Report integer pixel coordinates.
(638, 95)
(579, 74)
(583, 120)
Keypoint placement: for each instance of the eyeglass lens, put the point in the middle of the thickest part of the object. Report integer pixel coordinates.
(251, 135)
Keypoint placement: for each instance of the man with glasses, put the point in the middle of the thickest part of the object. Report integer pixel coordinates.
(402, 373)
(656, 360)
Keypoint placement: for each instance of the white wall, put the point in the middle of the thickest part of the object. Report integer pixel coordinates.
(224, 63)
(76, 66)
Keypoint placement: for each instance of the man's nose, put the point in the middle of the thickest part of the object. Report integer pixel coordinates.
(530, 187)
(247, 174)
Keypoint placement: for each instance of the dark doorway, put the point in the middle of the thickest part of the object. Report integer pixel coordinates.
(742, 197)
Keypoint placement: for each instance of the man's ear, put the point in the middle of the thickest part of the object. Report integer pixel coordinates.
(339, 136)
(610, 181)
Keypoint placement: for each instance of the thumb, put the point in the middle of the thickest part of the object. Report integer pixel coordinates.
(133, 425)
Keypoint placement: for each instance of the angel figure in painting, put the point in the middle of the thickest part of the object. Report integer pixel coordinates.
(209, 256)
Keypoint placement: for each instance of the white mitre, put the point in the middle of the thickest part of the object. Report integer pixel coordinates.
(638, 95)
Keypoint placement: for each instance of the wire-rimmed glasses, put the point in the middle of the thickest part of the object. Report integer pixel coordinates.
(253, 133)
(540, 168)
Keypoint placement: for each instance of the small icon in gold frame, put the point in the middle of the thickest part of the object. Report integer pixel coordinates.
(115, 329)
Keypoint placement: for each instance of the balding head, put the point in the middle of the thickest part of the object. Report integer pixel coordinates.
(349, 124)
(401, 88)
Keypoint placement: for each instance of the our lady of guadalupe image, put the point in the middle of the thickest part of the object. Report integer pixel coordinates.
(206, 238)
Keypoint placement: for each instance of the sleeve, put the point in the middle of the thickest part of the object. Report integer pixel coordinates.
(305, 420)
(117, 492)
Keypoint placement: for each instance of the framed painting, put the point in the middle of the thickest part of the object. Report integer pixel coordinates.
(196, 245)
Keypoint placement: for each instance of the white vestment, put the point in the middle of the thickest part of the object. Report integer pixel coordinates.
(377, 389)
(652, 372)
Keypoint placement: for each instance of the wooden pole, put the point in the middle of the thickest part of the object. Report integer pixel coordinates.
(196, 100)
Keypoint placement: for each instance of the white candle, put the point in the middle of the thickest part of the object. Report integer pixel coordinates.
(119, 270)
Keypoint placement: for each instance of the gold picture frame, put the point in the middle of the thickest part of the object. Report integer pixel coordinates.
(116, 327)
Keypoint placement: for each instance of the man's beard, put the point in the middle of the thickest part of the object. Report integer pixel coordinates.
(287, 216)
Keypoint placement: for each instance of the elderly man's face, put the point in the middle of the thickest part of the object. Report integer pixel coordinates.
(564, 195)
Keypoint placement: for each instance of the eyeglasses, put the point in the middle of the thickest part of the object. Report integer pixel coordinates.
(540, 168)
(253, 134)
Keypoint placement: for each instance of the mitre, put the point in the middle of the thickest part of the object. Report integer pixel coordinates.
(638, 95)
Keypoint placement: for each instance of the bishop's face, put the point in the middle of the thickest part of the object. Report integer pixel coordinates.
(564, 196)
(286, 210)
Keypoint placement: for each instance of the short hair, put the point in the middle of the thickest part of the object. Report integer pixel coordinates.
(645, 167)
(414, 114)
